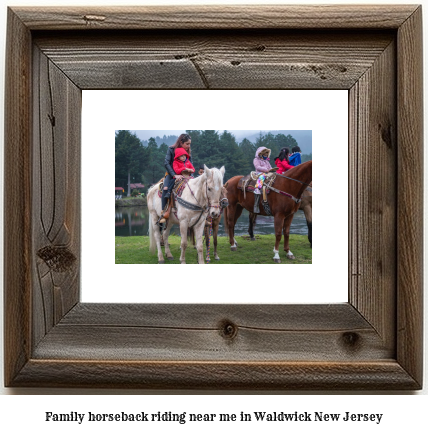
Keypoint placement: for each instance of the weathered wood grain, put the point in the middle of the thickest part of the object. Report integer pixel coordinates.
(17, 198)
(199, 332)
(372, 342)
(220, 60)
(385, 375)
(410, 194)
(217, 17)
(321, 317)
(56, 198)
(374, 197)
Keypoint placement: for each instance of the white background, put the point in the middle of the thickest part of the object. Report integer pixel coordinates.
(402, 413)
(323, 112)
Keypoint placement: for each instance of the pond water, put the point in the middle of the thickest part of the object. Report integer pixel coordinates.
(134, 221)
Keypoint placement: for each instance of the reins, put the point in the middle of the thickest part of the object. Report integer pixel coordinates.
(292, 179)
(283, 193)
(197, 207)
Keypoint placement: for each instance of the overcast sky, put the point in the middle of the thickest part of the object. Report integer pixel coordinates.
(146, 134)
(239, 134)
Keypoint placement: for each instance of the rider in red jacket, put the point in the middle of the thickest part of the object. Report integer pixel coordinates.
(282, 161)
(182, 162)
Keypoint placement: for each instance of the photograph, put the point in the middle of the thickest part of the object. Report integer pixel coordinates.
(211, 192)
(235, 237)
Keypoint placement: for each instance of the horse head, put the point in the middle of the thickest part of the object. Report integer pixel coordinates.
(214, 185)
(223, 197)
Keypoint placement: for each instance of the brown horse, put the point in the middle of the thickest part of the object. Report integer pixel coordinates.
(283, 201)
(305, 205)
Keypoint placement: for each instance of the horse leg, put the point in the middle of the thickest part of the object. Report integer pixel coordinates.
(199, 231)
(155, 232)
(206, 233)
(278, 225)
(252, 221)
(234, 215)
(192, 232)
(166, 243)
(214, 229)
(231, 227)
(183, 232)
(308, 215)
(216, 223)
(286, 231)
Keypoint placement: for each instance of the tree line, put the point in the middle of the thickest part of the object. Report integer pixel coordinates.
(143, 162)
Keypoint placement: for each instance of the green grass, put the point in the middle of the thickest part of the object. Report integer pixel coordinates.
(135, 250)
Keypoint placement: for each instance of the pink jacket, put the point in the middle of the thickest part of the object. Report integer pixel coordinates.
(283, 166)
(261, 165)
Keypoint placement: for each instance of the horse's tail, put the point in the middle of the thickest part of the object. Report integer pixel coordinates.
(226, 220)
(151, 228)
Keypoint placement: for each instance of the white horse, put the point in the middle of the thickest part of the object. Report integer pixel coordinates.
(200, 198)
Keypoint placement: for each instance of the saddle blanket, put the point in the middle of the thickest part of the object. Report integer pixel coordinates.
(251, 188)
(249, 182)
(177, 189)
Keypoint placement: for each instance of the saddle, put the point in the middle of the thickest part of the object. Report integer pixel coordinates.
(248, 183)
(177, 190)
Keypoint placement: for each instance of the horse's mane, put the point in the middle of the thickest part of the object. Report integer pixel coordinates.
(295, 171)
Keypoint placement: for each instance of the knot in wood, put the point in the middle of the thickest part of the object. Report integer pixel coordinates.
(228, 330)
(94, 18)
(58, 259)
(351, 340)
(386, 134)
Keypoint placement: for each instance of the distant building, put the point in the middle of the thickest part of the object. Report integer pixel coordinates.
(139, 187)
(118, 192)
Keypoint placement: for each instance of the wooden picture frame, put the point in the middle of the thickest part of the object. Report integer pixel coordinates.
(372, 342)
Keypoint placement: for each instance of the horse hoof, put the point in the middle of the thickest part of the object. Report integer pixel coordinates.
(234, 249)
(291, 257)
(277, 261)
(217, 258)
(171, 258)
(161, 262)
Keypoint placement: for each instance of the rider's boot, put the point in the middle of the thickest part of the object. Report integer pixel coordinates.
(166, 212)
(165, 202)
(256, 203)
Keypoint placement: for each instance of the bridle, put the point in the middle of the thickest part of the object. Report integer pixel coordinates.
(210, 205)
(198, 207)
(224, 202)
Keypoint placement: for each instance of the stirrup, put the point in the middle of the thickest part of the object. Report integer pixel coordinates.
(165, 213)
(162, 219)
(160, 222)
